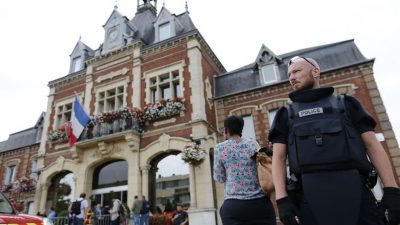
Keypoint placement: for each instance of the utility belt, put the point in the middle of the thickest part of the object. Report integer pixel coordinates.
(294, 184)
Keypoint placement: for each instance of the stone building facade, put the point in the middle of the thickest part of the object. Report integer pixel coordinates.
(124, 86)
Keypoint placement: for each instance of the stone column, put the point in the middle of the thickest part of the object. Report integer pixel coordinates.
(205, 210)
(43, 200)
(38, 197)
(192, 185)
(134, 178)
(46, 124)
(152, 186)
(145, 180)
(196, 83)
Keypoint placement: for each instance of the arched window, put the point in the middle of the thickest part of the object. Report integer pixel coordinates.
(110, 179)
(112, 174)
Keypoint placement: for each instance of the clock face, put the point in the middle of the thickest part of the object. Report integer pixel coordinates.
(113, 35)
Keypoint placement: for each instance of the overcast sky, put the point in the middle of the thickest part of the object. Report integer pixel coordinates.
(37, 38)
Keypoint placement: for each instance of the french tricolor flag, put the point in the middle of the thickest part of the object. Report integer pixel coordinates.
(79, 121)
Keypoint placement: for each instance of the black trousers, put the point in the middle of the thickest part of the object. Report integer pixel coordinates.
(248, 212)
(369, 212)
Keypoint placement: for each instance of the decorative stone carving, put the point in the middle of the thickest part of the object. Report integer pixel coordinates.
(60, 163)
(106, 149)
(75, 154)
(164, 141)
(113, 74)
(133, 142)
(145, 169)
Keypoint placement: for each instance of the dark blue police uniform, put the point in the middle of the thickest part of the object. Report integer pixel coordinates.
(327, 154)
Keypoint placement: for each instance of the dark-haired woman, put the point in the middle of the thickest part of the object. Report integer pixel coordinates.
(244, 201)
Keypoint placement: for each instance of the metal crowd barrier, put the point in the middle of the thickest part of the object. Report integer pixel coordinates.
(94, 220)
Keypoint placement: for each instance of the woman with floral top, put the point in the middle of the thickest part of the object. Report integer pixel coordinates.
(244, 201)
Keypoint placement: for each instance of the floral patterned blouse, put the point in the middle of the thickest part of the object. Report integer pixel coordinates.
(234, 167)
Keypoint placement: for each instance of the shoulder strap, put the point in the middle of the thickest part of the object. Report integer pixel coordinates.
(291, 109)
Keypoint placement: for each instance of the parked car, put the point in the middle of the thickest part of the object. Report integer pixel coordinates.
(9, 215)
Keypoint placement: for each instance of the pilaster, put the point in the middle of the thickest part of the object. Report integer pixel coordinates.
(145, 180)
(136, 73)
(46, 124)
(197, 97)
(88, 88)
(43, 198)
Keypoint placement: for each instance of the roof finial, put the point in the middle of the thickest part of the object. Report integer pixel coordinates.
(186, 7)
(80, 37)
(116, 4)
(163, 3)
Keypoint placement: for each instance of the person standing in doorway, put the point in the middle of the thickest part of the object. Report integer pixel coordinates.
(137, 207)
(244, 200)
(144, 212)
(79, 209)
(114, 211)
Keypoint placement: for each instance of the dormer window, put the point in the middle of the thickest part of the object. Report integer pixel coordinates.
(164, 31)
(269, 73)
(76, 64)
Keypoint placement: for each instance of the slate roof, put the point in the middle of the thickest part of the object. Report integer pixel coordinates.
(24, 138)
(143, 21)
(187, 22)
(330, 57)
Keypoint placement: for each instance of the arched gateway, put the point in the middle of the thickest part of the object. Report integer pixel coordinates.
(115, 167)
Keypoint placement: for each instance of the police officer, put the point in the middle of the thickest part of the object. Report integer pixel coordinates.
(327, 139)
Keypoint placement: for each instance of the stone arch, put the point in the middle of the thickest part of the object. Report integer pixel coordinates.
(61, 164)
(152, 154)
(244, 110)
(60, 191)
(152, 173)
(162, 145)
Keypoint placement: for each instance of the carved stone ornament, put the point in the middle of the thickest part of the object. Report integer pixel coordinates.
(113, 74)
(164, 141)
(106, 149)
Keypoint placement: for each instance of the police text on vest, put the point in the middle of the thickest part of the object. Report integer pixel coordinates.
(309, 112)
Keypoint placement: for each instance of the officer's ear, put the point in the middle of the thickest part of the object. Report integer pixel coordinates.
(315, 72)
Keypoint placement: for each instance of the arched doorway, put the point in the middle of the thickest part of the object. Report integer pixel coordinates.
(61, 192)
(109, 178)
(168, 182)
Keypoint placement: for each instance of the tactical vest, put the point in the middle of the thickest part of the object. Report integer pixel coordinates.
(322, 137)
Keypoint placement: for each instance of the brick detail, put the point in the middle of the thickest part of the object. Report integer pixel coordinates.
(383, 119)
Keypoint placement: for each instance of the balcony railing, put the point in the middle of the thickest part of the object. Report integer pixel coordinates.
(122, 119)
(118, 125)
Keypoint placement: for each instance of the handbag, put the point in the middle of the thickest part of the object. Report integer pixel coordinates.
(264, 169)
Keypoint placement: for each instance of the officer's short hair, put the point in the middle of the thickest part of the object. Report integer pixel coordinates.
(234, 125)
(83, 195)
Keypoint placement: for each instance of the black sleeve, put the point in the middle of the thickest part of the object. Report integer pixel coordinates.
(278, 132)
(360, 117)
